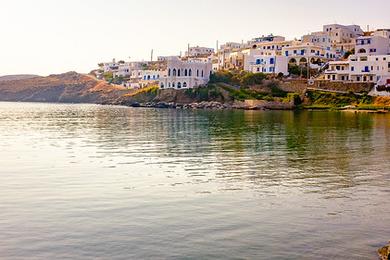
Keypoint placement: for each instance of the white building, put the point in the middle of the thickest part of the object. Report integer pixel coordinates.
(267, 62)
(125, 69)
(358, 68)
(269, 38)
(382, 32)
(319, 39)
(303, 53)
(199, 52)
(343, 37)
(166, 58)
(185, 74)
(109, 66)
(150, 77)
(372, 45)
(343, 33)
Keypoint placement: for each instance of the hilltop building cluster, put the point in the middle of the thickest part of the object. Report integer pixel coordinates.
(343, 53)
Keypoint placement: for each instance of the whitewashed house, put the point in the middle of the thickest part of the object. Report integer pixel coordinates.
(199, 52)
(358, 68)
(343, 37)
(302, 54)
(166, 58)
(372, 45)
(319, 39)
(182, 74)
(110, 66)
(268, 62)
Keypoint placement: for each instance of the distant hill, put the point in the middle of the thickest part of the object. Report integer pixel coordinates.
(69, 87)
(17, 77)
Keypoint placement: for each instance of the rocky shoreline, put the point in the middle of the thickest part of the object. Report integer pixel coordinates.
(215, 105)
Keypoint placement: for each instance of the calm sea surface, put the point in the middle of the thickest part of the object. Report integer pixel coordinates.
(101, 182)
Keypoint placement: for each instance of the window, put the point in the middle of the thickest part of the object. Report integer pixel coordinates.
(352, 68)
(185, 72)
(272, 61)
(190, 72)
(258, 61)
(184, 84)
(197, 73)
(202, 74)
(178, 72)
(174, 72)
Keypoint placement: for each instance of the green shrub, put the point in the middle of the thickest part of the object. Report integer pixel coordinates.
(242, 78)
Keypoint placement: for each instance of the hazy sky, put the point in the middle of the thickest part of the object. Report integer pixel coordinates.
(55, 36)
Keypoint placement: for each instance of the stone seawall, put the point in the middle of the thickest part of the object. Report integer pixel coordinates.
(300, 86)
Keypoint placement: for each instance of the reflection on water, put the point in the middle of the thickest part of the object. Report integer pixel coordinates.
(84, 181)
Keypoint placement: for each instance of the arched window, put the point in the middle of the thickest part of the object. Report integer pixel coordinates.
(179, 85)
(190, 72)
(169, 72)
(197, 73)
(178, 72)
(148, 77)
(169, 84)
(362, 51)
(173, 85)
(174, 72)
(202, 74)
(184, 84)
(185, 73)
(162, 85)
